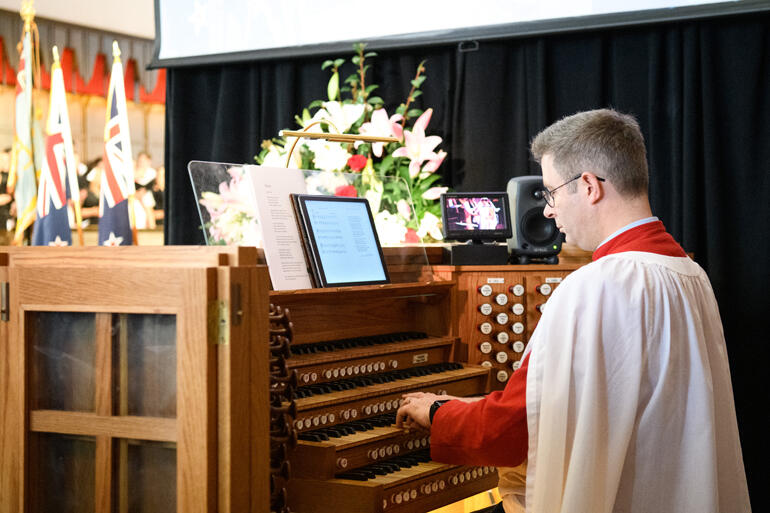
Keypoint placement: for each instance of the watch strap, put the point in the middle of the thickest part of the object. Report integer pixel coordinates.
(434, 408)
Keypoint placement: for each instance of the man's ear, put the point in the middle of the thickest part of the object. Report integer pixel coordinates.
(594, 188)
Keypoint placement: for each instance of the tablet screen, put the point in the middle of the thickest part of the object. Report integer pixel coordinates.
(340, 240)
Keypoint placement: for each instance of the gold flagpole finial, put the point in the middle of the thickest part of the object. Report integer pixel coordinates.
(27, 13)
(115, 50)
(56, 54)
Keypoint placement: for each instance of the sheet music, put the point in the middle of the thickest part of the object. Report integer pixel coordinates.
(281, 238)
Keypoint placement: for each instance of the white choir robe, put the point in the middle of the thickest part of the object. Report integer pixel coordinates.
(629, 399)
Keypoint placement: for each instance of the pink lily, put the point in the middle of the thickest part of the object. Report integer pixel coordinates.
(433, 164)
(423, 120)
(381, 126)
(434, 193)
(417, 146)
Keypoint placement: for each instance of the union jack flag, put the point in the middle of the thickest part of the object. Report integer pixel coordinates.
(58, 178)
(117, 186)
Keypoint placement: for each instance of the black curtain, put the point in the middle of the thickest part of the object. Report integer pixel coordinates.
(701, 93)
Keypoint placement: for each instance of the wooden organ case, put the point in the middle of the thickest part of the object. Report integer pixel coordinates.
(355, 352)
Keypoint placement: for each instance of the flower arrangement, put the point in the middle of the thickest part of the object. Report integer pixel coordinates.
(230, 212)
(399, 179)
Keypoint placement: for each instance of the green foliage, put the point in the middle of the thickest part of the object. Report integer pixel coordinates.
(417, 82)
(414, 113)
(386, 179)
(333, 89)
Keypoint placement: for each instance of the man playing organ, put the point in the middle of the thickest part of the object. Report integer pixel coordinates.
(623, 402)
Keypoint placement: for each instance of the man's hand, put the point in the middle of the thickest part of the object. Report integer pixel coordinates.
(415, 410)
(432, 397)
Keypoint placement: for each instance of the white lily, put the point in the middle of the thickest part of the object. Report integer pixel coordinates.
(324, 182)
(342, 116)
(390, 229)
(329, 156)
(381, 126)
(430, 225)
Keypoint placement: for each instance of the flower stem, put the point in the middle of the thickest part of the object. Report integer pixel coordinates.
(409, 98)
(361, 72)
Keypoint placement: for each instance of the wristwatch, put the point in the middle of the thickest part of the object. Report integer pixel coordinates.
(434, 408)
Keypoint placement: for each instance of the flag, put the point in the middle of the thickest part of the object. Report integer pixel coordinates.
(27, 143)
(117, 186)
(58, 178)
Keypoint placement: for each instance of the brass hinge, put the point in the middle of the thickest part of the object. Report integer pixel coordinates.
(225, 314)
(219, 319)
(5, 308)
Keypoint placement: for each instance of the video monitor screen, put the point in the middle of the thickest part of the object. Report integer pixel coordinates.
(340, 241)
(476, 216)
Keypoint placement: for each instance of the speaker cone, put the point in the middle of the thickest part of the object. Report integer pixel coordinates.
(536, 229)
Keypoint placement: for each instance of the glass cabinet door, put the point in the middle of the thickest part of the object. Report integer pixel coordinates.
(113, 369)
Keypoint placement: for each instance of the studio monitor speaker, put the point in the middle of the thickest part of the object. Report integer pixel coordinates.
(534, 236)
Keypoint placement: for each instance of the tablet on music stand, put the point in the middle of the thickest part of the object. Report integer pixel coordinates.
(340, 241)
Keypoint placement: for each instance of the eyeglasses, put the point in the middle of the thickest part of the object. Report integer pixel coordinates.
(547, 195)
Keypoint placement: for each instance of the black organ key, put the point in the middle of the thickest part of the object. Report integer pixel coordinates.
(337, 345)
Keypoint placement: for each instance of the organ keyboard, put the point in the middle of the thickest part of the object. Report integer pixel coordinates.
(356, 351)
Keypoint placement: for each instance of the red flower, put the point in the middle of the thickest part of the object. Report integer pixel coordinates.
(357, 162)
(346, 190)
(411, 236)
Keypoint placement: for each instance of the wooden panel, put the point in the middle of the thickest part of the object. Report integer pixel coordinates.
(103, 361)
(79, 423)
(345, 312)
(13, 447)
(131, 256)
(243, 393)
(196, 393)
(103, 475)
(259, 382)
(11, 429)
(103, 407)
(120, 290)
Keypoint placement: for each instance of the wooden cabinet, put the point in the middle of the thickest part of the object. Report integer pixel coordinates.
(133, 379)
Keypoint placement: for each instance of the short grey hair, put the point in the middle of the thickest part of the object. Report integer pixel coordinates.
(604, 142)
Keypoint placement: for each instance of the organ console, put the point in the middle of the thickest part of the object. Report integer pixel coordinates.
(289, 408)
(356, 352)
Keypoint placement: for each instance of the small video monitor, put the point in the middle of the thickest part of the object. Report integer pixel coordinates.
(340, 241)
(476, 216)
